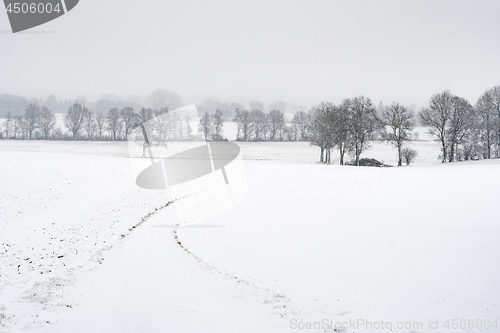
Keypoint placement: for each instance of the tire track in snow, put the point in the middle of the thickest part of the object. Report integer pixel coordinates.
(283, 306)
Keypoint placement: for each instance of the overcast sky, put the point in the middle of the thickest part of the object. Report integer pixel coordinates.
(298, 51)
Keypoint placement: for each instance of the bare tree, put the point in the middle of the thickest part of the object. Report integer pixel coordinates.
(8, 125)
(363, 122)
(100, 121)
(244, 122)
(409, 155)
(218, 122)
(340, 130)
(205, 126)
(486, 115)
(145, 115)
(18, 125)
(436, 118)
(460, 124)
(89, 124)
(46, 121)
(75, 118)
(322, 131)
(258, 118)
(130, 119)
(162, 124)
(300, 123)
(400, 122)
(276, 123)
(189, 130)
(31, 114)
(114, 122)
(494, 104)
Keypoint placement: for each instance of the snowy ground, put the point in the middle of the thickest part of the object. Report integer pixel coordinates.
(308, 244)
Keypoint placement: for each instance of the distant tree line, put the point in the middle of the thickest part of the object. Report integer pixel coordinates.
(38, 122)
(257, 125)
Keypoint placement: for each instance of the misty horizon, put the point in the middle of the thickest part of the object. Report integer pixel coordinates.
(299, 52)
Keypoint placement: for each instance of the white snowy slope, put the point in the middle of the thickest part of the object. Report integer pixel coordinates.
(62, 206)
(402, 246)
(294, 245)
(151, 285)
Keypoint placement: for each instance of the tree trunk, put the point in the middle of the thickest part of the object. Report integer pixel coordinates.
(443, 147)
(321, 155)
(341, 153)
(452, 153)
(400, 158)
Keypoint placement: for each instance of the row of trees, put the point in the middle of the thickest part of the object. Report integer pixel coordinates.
(351, 125)
(464, 131)
(38, 122)
(257, 125)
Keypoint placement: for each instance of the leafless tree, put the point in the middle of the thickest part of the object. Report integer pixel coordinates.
(206, 126)
(114, 122)
(130, 119)
(100, 121)
(409, 155)
(75, 118)
(46, 121)
(90, 124)
(399, 121)
(162, 124)
(436, 118)
(31, 114)
(460, 124)
(218, 122)
(8, 125)
(18, 125)
(300, 124)
(493, 102)
(363, 122)
(341, 130)
(487, 122)
(321, 129)
(244, 121)
(189, 130)
(276, 123)
(258, 118)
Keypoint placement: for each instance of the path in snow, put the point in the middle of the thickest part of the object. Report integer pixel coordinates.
(150, 284)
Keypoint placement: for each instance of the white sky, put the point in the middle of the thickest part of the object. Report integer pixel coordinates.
(294, 50)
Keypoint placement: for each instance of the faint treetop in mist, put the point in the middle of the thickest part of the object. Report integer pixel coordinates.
(162, 98)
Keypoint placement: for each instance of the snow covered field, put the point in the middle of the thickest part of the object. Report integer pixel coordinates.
(309, 246)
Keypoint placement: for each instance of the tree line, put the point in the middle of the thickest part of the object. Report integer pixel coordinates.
(38, 122)
(464, 131)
